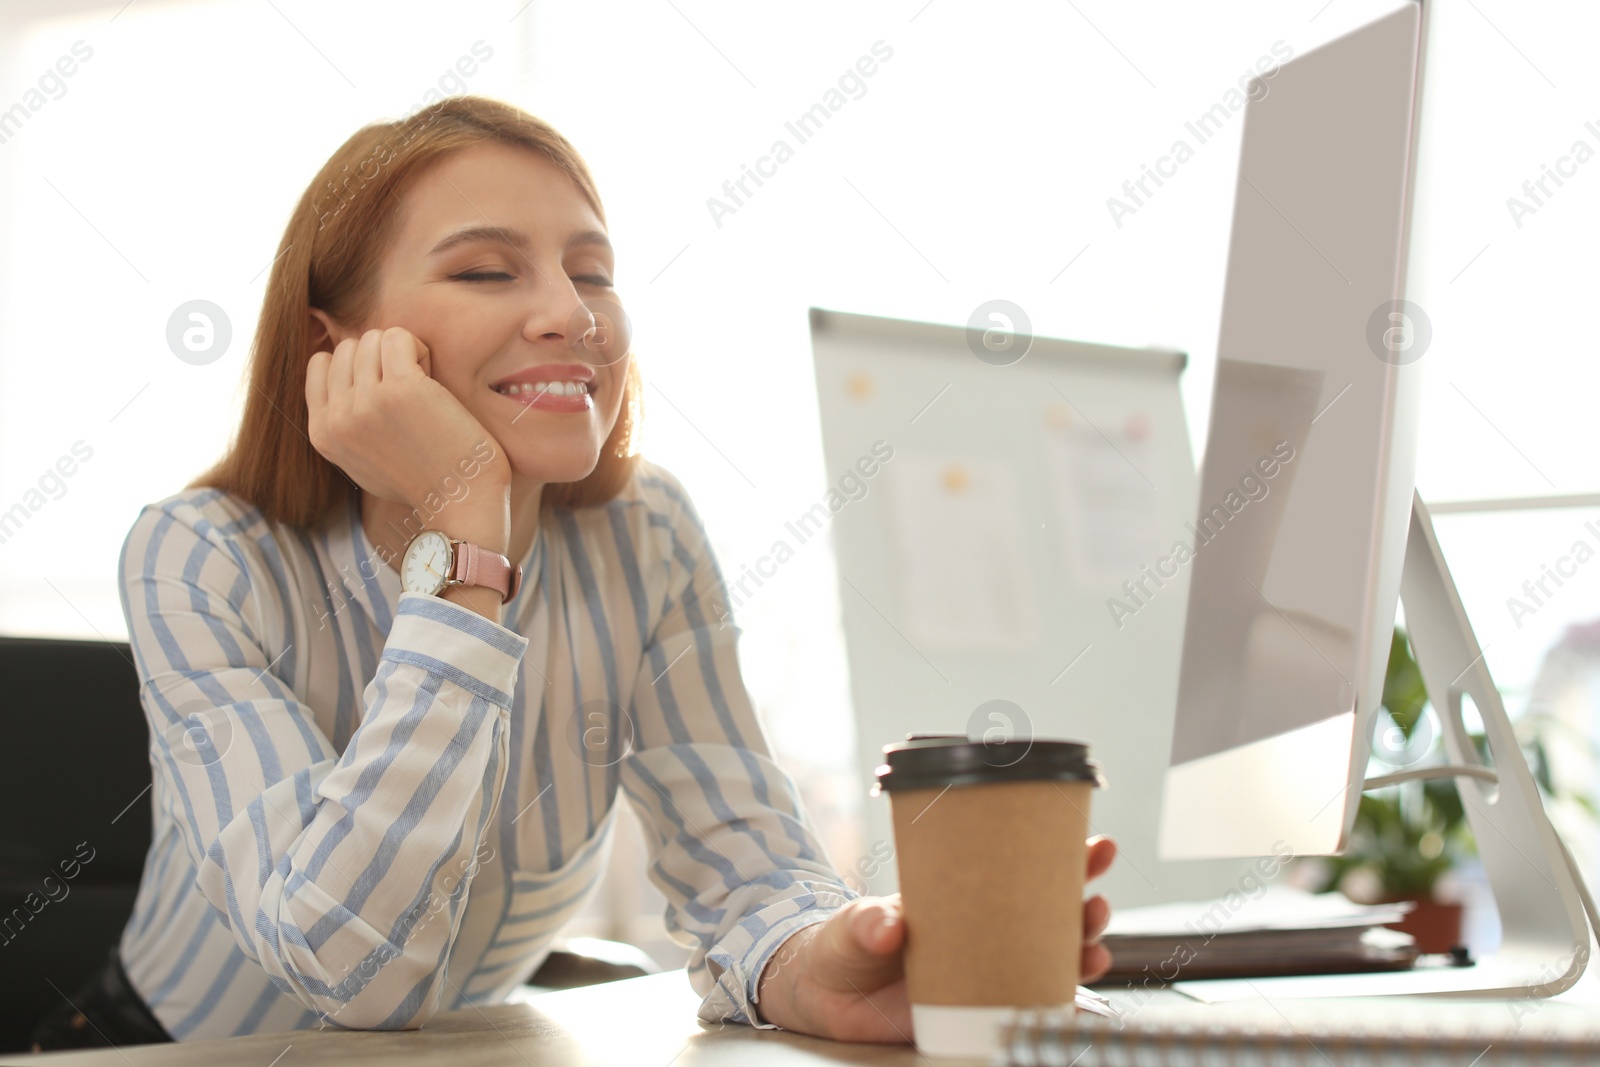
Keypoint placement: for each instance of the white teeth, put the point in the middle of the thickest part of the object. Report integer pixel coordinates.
(552, 388)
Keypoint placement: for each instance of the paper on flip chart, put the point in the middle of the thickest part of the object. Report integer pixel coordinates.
(962, 584)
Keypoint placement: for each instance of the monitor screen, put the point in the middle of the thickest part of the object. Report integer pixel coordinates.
(1306, 484)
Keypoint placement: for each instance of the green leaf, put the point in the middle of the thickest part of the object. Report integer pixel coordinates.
(1403, 692)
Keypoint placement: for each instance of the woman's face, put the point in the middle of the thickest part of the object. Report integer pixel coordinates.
(503, 270)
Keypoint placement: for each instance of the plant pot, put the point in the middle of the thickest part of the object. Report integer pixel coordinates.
(1435, 925)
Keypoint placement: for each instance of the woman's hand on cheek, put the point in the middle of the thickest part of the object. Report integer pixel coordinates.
(377, 413)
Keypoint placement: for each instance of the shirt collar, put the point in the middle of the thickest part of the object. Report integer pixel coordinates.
(359, 572)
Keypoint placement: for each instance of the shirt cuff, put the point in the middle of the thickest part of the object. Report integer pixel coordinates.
(457, 644)
(743, 953)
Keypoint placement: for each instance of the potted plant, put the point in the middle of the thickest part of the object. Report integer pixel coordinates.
(1409, 836)
(1406, 837)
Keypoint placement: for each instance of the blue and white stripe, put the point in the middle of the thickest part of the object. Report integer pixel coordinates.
(371, 805)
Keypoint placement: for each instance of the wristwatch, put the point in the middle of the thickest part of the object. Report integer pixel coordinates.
(434, 561)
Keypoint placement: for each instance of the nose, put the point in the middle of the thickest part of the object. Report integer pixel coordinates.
(557, 312)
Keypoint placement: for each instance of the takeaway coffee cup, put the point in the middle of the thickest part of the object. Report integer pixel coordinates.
(990, 846)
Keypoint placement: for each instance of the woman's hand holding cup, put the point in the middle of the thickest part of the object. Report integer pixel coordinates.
(844, 978)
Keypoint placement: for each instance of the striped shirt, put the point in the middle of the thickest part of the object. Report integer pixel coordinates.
(372, 805)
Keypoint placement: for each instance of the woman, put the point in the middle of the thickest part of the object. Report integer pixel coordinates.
(379, 794)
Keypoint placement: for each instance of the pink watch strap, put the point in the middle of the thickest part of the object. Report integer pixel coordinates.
(479, 566)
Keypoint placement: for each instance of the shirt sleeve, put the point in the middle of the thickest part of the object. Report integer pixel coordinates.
(731, 846)
(343, 875)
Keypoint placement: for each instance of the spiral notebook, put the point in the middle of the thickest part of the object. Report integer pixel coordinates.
(1325, 1033)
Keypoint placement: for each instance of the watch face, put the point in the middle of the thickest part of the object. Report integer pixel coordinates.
(427, 563)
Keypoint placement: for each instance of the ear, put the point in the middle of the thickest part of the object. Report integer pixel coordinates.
(324, 332)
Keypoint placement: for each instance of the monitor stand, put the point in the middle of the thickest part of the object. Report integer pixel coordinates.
(1546, 911)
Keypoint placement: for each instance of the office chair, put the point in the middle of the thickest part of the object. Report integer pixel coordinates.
(75, 783)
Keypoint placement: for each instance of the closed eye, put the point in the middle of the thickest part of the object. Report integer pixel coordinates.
(593, 279)
(482, 276)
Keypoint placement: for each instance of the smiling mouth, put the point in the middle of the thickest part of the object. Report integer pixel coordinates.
(555, 388)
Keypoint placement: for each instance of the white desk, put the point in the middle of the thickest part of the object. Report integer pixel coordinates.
(641, 1022)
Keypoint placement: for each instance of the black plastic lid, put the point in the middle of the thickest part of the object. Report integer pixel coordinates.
(933, 761)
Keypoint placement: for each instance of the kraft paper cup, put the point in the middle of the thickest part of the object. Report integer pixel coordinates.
(990, 841)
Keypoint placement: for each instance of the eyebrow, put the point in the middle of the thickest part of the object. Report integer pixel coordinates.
(515, 238)
(589, 237)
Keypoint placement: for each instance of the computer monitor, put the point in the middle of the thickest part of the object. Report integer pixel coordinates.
(1308, 470)
(1309, 531)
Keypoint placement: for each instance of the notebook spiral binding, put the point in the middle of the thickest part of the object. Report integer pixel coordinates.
(1055, 1038)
